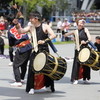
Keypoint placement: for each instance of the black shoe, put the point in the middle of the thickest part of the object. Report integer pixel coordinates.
(52, 89)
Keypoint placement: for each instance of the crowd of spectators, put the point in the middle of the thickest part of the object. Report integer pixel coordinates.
(90, 16)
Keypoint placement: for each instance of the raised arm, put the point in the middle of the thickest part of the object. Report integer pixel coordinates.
(69, 33)
(23, 30)
(48, 30)
(19, 28)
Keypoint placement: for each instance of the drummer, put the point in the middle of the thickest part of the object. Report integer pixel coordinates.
(82, 37)
(97, 43)
(42, 31)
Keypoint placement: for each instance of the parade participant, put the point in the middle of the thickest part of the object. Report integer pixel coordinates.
(21, 18)
(24, 47)
(1, 46)
(97, 43)
(12, 49)
(42, 31)
(11, 56)
(82, 37)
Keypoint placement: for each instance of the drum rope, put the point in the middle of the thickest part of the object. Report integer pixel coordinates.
(34, 48)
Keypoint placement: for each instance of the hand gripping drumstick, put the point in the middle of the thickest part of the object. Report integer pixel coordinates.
(92, 45)
(52, 46)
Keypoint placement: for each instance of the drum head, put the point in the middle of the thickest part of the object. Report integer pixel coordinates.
(84, 55)
(39, 61)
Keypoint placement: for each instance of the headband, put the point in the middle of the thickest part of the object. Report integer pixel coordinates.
(82, 20)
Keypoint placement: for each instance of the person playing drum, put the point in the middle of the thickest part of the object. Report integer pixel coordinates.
(82, 37)
(97, 43)
(42, 31)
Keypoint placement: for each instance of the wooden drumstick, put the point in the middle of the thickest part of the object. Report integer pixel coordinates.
(18, 12)
(15, 6)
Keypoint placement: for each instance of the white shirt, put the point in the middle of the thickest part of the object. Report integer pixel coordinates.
(75, 25)
(29, 24)
(59, 25)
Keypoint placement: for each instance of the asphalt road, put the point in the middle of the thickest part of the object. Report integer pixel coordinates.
(64, 89)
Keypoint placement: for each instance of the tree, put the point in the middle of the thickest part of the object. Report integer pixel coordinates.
(30, 5)
(93, 7)
(56, 6)
(47, 5)
(61, 4)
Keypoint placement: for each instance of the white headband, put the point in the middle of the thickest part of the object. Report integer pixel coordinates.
(82, 20)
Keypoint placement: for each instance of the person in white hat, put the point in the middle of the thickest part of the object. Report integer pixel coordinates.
(65, 28)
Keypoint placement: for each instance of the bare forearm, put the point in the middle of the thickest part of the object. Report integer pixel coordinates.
(51, 33)
(69, 33)
(19, 28)
(52, 36)
(23, 30)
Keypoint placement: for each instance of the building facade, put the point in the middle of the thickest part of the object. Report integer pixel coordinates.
(75, 5)
(87, 4)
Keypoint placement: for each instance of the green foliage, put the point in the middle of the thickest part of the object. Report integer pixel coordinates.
(64, 42)
(31, 5)
(48, 5)
(6, 46)
(62, 4)
(93, 7)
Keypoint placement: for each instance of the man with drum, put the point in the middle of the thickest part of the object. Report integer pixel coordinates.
(82, 37)
(41, 30)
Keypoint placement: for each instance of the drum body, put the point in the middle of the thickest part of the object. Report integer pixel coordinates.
(89, 57)
(49, 65)
(96, 67)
